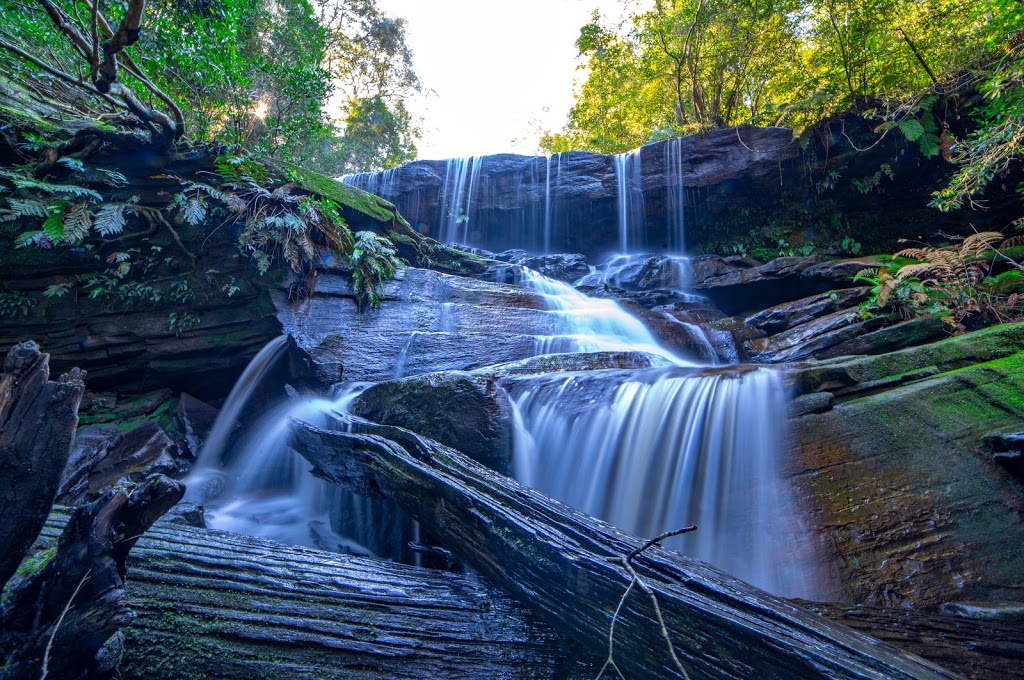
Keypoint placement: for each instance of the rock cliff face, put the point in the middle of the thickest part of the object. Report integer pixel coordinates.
(577, 201)
(705, 193)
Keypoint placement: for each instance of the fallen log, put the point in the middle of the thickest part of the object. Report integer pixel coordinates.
(652, 612)
(215, 604)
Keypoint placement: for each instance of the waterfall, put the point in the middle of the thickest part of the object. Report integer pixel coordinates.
(630, 196)
(462, 175)
(219, 438)
(267, 489)
(675, 208)
(551, 198)
(663, 451)
(655, 450)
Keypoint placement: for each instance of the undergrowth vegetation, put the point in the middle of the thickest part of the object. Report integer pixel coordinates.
(971, 283)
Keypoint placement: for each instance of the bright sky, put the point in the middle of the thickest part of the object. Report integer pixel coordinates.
(502, 70)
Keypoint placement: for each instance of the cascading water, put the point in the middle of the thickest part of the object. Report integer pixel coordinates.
(462, 176)
(630, 196)
(552, 189)
(675, 192)
(219, 438)
(267, 490)
(591, 324)
(656, 450)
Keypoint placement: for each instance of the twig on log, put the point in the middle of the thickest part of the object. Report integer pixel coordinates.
(636, 580)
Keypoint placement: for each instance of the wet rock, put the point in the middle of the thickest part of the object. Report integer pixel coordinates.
(465, 411)
(428, 322)
(811, 339)
(196, 418)
(103, 456)
(567, 267)
(985, 611)
(559, 363)
(188, 514)
(1007, 450)
(817, 402)
(837, 273)
(910, 333)
(642, 273)
(789, 314)
(737, 289)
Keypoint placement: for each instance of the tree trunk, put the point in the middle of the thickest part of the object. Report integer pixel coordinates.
(214, 604)
(38, 419)
(573, 571)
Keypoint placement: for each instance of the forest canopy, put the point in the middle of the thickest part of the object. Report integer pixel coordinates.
(685, 66)
(267, 77)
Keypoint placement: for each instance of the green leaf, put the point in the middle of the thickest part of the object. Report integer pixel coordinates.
(912, 129)
(53, 227)
(929, 145)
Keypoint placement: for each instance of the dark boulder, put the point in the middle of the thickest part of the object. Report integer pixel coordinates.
(196, 419)
(913, 332)
(813, 338)
(464, 411)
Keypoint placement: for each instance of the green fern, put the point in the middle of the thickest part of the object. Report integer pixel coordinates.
(374, 263)
(22, 182)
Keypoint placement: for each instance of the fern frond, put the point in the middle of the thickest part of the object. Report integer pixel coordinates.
(23, 182)
(194, 212)
(915, 253)
(976, 244)
(109, 219)
(1012, 242)
(26, 207)
(77, 223)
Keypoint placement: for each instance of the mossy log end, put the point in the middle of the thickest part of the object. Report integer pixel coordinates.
(570, 569)
(214, 604)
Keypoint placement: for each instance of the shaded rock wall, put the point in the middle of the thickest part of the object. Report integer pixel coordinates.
(756, 189)
(569, 202)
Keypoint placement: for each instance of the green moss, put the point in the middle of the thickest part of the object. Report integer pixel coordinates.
(374, 207)
(953, 353)
(35, 563)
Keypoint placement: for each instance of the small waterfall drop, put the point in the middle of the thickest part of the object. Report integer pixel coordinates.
(219, 438)
(630, 196)
(267, 489)
(591, 324)
(462, 176)
(655, 450)
(661, 451)
(675, 212)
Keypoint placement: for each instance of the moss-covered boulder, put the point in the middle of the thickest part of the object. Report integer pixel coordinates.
(911, 511)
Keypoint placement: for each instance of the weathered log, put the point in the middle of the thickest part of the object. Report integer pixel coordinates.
(215, 604)
(38, 418)
(979, 649)
(574, 571)
(72, 600)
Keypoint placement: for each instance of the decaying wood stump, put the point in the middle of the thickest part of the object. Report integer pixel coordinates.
(38, 419)
(573, 572)
(62, 606)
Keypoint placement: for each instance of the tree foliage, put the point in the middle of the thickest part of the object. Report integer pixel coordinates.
(266, 77)
(691, 65)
